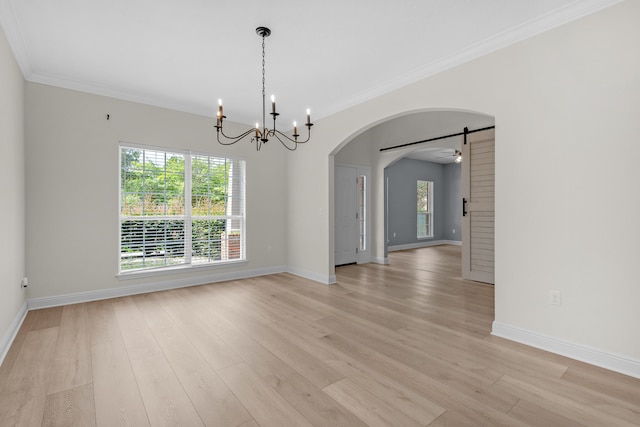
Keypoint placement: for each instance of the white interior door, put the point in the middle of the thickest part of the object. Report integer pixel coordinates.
(478, 198)
(346, 215)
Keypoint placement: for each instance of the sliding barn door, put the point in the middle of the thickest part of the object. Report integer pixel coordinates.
(478, 181)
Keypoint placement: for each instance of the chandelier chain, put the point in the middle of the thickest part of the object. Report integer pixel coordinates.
(264, 113)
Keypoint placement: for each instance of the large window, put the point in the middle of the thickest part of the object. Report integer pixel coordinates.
(179, 208)
(425, 209)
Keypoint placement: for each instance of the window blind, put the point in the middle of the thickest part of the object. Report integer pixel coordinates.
(179, 208)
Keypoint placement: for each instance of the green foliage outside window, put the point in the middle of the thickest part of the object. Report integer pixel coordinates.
(423, 196)
(424, 209)
(153, 185)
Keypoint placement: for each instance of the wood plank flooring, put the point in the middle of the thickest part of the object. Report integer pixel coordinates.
(405, 344)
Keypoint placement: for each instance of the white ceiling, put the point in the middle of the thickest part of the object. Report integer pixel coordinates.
(324, 55)
(436, 155)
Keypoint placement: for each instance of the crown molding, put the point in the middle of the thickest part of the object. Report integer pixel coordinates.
(556, 18)
(14, 36)
(126, 95)
(553, 19)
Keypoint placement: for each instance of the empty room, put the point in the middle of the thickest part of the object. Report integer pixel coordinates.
(341, 213)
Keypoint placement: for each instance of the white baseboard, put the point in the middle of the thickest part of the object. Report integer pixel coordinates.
(363, 260)
(327, 280)
(423, 245)
(11, 333)
(613, 362)
(589, 355)
(80, 297)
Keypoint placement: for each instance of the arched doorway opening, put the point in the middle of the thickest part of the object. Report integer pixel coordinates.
(363, 151)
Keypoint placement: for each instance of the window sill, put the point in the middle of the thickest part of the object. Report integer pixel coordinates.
(132, 275)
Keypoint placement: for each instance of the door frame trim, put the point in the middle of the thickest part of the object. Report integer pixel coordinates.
(362, 257)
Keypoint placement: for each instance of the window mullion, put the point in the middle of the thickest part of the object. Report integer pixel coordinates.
(188, 234)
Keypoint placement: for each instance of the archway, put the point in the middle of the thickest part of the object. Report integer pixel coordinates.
(363, 149)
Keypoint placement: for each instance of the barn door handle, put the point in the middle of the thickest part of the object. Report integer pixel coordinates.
(464, 207)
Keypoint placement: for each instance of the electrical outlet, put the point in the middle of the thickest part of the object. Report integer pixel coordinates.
(454, 231)
(24, 283)
(394, 235)
(555, 298)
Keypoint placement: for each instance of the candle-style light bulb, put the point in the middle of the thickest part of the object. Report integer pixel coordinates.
(308, 116)
(295, 128)
(220, 108)
(273, 103)
(257, 130)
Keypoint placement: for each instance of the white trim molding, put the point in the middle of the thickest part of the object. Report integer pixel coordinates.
(556, 18)
(553, 19)
(613, 362)
(316, 277)
(75, 298)
(12, 31)
(11, 333)
(80, 297)
(423, 245)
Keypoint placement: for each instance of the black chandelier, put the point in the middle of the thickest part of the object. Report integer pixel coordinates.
(261, 136)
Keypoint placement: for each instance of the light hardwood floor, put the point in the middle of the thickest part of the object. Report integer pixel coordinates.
(407, 344)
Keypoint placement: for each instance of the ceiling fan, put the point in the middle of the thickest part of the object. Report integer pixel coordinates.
(457, 154)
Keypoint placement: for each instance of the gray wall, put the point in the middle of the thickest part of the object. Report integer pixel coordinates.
(453, 203)
(402, 177)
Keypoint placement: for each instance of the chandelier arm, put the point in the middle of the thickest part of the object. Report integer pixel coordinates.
(308, 136)
(232, 139)
(277, 134)
(237, 137)
(294, 140)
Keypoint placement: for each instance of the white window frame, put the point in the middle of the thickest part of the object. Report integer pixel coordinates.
(187, 217)
(362, 212)
(428, 215)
